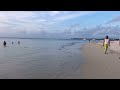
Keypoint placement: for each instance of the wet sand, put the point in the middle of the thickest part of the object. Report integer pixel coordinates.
(99, 65)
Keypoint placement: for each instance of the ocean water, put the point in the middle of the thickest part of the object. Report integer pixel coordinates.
(40, 58)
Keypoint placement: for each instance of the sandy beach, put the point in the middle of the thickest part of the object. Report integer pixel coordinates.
(59, 59)
(99, 65)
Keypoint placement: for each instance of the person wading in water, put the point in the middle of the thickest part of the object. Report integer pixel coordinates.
(4, 43)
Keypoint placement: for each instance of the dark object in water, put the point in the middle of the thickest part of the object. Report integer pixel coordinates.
(12, 43)
(119, 57)
(59, 49)
(25, 47)
(18, 42)
(4, 43)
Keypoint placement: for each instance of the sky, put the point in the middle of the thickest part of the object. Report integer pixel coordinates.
(59, 24)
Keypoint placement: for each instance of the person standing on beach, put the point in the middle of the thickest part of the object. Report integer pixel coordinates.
(106, 43)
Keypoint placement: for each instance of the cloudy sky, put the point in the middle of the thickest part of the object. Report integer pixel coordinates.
(57, 24)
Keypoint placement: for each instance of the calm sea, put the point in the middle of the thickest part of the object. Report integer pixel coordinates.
(40, 58)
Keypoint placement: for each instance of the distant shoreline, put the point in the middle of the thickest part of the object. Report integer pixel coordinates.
(92, 39)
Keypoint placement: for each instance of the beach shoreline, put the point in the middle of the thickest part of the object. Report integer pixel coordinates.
(99, 65)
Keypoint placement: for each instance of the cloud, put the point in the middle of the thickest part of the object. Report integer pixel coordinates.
(73, 14)
(28, 22)
(34, 20)
(53, 13)
(116, 19)
(99, 31)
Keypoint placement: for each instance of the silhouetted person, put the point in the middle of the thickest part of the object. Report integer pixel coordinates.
(119, 42)
(89, 40)
(4, 43)
(18, 42)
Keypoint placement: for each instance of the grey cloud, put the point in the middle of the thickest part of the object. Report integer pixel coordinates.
(97, 31)
(117, 19)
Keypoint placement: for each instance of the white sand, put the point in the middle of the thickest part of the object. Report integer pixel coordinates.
(115, 46)
(99, 65)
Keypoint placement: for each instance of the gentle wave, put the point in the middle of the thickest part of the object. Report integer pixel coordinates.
(68, 44)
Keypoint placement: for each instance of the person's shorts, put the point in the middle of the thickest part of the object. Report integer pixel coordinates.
(106, 46)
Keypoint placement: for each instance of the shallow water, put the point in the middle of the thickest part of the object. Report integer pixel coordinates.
(40, 58)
